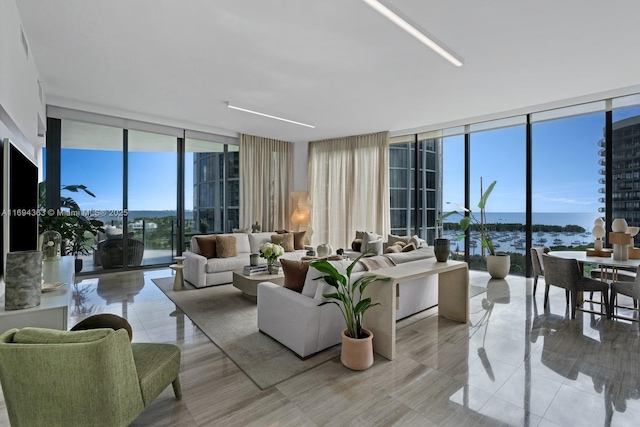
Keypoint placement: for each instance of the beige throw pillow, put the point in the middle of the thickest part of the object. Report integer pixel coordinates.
(285, 240)
(226, 246)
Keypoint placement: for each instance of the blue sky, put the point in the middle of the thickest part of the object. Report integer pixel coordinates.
(565, 174)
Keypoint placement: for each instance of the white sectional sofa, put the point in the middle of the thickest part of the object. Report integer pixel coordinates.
(202, 272)
(296, 321)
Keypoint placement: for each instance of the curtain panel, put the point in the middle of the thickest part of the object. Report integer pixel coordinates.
(349, 187)
(265, 182)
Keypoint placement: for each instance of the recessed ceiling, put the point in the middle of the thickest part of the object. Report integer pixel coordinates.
(336, 64)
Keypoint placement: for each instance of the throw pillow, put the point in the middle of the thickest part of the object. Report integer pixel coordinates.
(285, 240)
(392, 239)
(298, 239)
(295, 272)
(417, 241)
(366, 238)
(356, 245)
(408, 248)
(207, 245)
(283, 231)
(226, 246)
(104, 320)
(393, 249)
(360, 235)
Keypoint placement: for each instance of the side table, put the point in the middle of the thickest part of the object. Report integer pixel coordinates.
(178, 282)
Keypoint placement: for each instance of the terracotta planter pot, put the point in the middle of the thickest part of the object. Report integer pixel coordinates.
(357, 354)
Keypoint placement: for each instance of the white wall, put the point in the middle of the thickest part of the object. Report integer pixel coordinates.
(22, 113)
(300, 154)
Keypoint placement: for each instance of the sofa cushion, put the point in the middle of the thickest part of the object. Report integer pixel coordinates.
(257, 239)
(285, 240)
(295, 273)
(422, 253)
(217, 265)
(392, 239)
(226, 246)
(367, 243)
(207, 246)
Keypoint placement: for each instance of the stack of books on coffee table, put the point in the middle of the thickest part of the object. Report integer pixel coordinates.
(254, 269)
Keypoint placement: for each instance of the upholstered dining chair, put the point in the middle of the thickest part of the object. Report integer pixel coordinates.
(566, 273)
(536, 260)
(630, 289)
(92, 377)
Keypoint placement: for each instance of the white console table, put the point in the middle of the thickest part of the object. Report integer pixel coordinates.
(453, 297)
(53, 310)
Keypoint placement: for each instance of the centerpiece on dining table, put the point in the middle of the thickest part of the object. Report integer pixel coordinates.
(271, 252)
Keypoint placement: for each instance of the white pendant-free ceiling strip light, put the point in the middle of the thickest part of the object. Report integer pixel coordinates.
(269, 116)
(411, 29)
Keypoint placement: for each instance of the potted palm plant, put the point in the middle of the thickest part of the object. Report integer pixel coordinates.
(498, 264)
(357, 341)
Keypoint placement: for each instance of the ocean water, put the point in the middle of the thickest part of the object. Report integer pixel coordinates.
(584, 220)
(515, 242)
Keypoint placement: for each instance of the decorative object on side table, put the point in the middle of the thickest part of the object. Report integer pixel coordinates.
(498, 264)
(23, 280)
(51, 245)
(324, 250)
(255, 228)
(254, 259)
(271, 252)
(442, 249)
(634, 253)
(598, 233)
(620, 239)
(357, 342)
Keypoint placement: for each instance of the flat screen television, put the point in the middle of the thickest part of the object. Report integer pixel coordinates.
(19, 201)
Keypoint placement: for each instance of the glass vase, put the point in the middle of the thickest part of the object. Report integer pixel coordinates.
(51, 245)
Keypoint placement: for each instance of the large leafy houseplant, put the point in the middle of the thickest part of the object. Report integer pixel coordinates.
(467, 220)
(349, 294)
(70, 221)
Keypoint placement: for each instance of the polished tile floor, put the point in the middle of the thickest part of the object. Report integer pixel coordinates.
(514, 364)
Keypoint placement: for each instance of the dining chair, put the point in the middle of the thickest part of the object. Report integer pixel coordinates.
(538, 267)
(630, 289)
(565, 273)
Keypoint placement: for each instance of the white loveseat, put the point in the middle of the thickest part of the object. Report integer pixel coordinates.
(299, 323)
(202, 272)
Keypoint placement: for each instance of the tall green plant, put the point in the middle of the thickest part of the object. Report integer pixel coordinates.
(467, 220)
(69, 220)
(353, 305)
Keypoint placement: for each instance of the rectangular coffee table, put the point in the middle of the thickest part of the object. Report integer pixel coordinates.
(249, 284)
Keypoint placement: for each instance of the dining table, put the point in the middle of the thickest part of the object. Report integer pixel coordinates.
(602, 262)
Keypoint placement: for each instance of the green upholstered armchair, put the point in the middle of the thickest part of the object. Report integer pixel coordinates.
(94, 377)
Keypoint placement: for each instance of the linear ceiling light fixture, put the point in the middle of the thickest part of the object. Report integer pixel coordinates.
(419, 34)
(269, 116)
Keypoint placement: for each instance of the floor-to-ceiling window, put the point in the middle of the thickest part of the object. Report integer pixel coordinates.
(453, 190)
(568, 147)
(498, 153)
(414, 208)
(625, 161)
(151, 198)
(91, 155)
(212, 185)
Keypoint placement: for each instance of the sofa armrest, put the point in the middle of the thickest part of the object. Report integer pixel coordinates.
(289, 317)
(194, 270)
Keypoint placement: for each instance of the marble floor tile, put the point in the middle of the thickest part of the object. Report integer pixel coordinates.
(515, 363)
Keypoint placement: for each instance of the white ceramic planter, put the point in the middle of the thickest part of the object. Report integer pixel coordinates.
(498, 265)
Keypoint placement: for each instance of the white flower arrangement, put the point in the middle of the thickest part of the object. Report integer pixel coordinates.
(271, 251)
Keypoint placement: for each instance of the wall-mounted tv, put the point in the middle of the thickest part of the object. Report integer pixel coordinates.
(19, 201)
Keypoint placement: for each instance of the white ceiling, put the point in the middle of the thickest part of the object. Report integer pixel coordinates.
(336, 64)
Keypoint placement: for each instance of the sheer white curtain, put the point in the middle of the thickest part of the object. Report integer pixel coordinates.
(349, 187)
(265, 182)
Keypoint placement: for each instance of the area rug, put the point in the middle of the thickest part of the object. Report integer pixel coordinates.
(231, 323)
